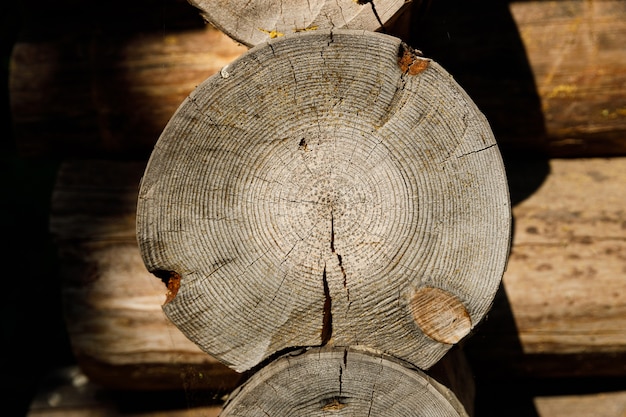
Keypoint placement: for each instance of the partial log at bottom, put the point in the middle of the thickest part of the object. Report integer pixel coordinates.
(342, 382)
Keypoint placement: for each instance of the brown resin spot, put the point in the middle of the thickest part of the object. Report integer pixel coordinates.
(410, 62)
(172, 280)
(173, 285)
(334, 405)
(440, 315)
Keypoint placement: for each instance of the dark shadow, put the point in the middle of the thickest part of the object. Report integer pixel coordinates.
(478, 43)
(77, 60)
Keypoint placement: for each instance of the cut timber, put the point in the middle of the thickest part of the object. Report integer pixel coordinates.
(99, 200)
(119, 334)
(341, 382)
(326, 188)
(565, 286)
(548, 75)
(576, 50)
(256, 21)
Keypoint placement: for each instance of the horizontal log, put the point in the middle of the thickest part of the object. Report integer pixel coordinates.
(561, 312)
(67, 392)
(119, 334)
(564, 293)
(96, 96)
(548, 75)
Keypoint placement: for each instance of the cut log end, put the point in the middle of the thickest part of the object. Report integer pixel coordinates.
(342, 382)
(298, 197)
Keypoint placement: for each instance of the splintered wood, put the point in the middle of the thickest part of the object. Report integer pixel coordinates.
(315, 193)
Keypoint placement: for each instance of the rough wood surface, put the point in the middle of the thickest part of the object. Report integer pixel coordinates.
(576, 51)
(549, 75)
(326, 188)
(341, 382)
(95, 96)
(68, 393)
(254, 22)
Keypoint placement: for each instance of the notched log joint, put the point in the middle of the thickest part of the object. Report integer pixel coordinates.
(171, 279)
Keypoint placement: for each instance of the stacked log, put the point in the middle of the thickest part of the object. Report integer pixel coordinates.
(531, 325)
(111, 86)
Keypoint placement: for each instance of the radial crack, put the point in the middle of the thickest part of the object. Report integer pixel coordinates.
(478, 150)
(327, 320)
(339, 259)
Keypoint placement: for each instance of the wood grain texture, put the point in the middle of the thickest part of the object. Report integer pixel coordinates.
(256, 21)
(307, 191)
(549, 75)
(570, 251)
(576, 51)
(341, 382)
(562, 323)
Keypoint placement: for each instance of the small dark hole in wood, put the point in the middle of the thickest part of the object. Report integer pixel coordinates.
(171, 279)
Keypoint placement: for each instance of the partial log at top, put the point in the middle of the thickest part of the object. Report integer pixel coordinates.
(252, 22)
(326, 188)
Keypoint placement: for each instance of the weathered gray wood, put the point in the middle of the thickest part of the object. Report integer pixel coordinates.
(566, 328)
(253, 22)
(341, 382)
(327, 188)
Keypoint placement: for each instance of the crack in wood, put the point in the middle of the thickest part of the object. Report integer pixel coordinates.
(339, 258)
(327, 320)
(376, 15)
(476, 151)
(340, 380)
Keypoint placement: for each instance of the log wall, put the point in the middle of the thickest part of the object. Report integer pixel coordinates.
(549, 75)
(561, 312)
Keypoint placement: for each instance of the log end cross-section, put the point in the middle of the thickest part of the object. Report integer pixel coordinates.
(326, 189)
(338, 382)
